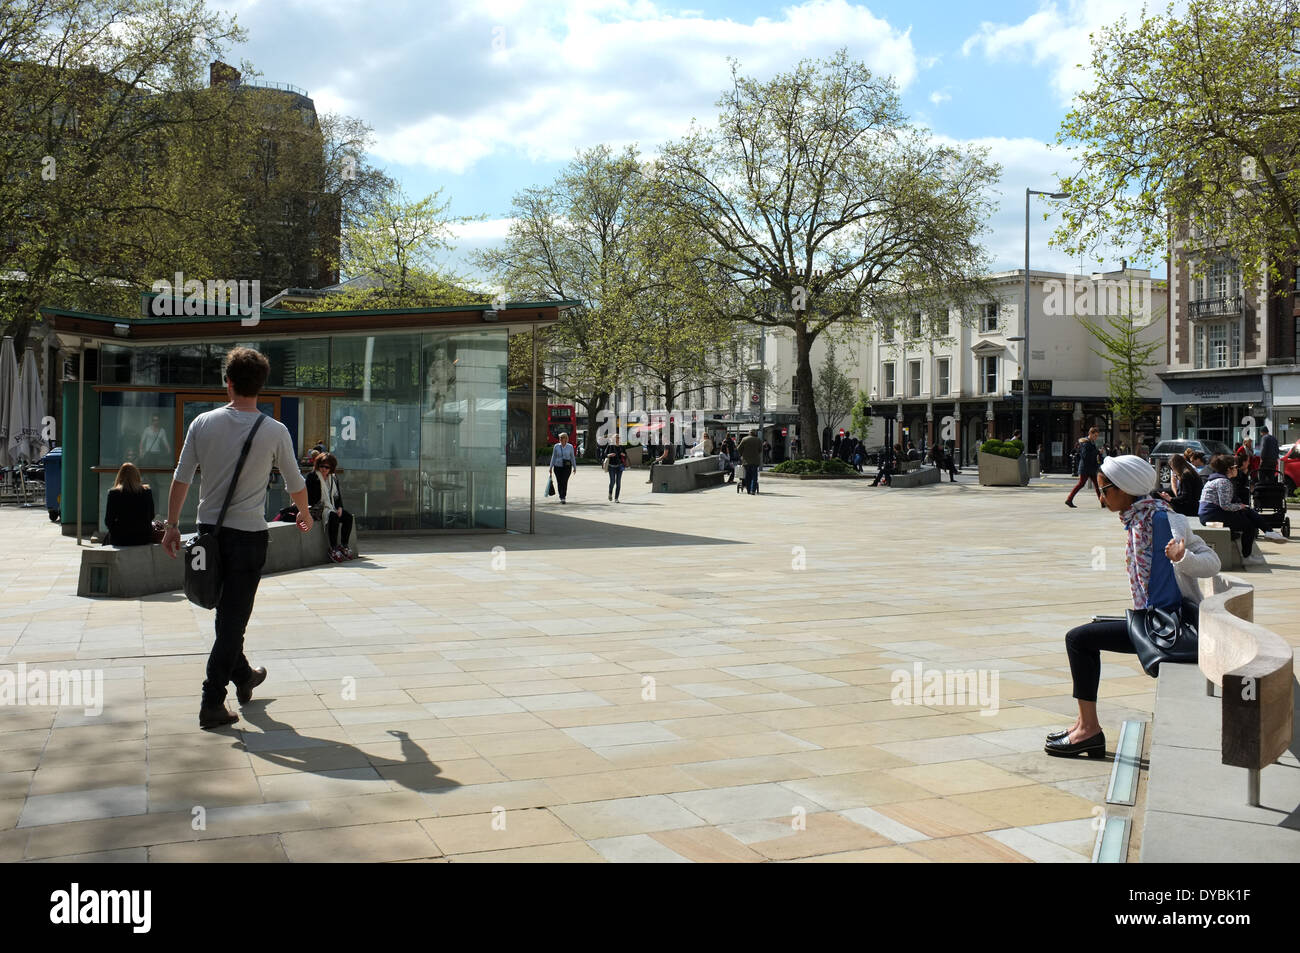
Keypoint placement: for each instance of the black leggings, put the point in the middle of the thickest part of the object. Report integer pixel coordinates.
(332, 522)
(1084, 645)
(562, 473)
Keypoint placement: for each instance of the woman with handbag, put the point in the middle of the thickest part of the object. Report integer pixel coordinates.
(1164, 560)
(563, 463)
(615, 462)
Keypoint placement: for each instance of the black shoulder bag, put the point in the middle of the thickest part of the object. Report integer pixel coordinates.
(203, 554)
(1163, 635)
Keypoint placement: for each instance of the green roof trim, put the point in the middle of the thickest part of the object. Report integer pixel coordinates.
(278, 314)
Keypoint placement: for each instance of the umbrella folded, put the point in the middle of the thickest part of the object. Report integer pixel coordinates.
(8, 385)
(26, 413)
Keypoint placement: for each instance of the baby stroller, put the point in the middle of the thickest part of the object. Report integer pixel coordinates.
(1269, 500)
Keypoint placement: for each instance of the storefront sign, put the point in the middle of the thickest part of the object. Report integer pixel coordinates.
(1214, 390)
(1036, 388)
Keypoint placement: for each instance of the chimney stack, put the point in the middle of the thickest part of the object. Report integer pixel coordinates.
(222, 74)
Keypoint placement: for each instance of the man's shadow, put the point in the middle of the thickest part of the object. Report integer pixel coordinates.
(322, 755)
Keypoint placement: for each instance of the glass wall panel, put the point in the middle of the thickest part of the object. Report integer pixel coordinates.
(375, 428)
(137, 426)
(463, 430)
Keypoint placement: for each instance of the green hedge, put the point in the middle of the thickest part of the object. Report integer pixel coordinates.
(1011, 449)
(833, 466)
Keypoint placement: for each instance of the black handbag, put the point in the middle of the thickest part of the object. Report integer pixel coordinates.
(203, 554)
(1163, 635)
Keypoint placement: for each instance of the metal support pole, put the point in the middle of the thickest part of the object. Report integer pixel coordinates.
(1024, 344)
(532, 441)
(1252, 787)
(81, 427)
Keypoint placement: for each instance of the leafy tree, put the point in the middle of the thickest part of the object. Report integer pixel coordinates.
(1129, 358)
(1194, 119)
(820, 204)
(834, 390)
(90, 91)
(862, 415)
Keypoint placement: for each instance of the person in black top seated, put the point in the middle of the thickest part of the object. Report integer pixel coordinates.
(129, 513)
(323, 494)
(1187, 484)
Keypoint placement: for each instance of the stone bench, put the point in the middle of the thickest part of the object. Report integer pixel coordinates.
(921, 476)
(1223, 541)
(128, 572)
(683, 476)
(1193, 812)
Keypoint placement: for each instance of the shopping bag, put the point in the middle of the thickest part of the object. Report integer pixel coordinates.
(550, 486)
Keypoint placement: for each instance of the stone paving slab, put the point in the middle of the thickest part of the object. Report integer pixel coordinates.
(701, 677)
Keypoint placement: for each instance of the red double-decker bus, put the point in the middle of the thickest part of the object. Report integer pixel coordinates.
(560, 419)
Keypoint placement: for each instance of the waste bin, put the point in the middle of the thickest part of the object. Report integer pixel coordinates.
(53, 462)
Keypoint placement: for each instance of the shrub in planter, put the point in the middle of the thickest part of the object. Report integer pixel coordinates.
(832, 466)
(1011, 449)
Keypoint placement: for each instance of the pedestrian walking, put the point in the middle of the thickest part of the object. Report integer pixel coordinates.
(1269, 453)
(615, 463)
(751, 455)
(243, 537)
(563, 464)
(1089, 466)
(1164, 559)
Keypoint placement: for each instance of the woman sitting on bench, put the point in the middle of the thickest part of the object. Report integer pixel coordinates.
(322, 491)
(129, 512)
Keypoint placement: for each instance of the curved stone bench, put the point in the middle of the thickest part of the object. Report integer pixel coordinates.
(1255, 669)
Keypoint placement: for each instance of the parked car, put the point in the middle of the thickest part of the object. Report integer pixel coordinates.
(1168, 448)
(1290, 460)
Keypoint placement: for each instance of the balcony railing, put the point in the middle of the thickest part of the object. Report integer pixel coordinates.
(1214, 307)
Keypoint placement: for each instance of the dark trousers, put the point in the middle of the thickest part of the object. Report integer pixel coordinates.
(751, 478)
(884, 473)
(562, 479)
(1248, 522)
(242, 556)
(332, 522)
(615, 481)
(1085, 478)
(1084, 645)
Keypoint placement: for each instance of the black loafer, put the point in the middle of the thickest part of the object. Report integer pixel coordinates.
(1062, 748)
(244, 692)
(1058, 733)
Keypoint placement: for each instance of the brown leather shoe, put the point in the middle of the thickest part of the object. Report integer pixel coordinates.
(216, 716)
(244, 692)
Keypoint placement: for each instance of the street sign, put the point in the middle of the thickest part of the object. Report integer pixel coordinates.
(753, 398)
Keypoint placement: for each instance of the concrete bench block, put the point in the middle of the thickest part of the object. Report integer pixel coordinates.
(685, 475)
(920, 477)
(129, 572)
(1220, 540)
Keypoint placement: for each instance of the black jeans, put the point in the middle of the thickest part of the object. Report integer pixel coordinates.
(562, 473)
(242, 556)
(1084, 645)
(332, 522)
(1246, 521)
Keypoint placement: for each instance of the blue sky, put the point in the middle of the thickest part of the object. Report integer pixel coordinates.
(483, 99)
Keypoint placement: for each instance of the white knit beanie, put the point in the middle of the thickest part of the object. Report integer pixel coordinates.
(1130, 473)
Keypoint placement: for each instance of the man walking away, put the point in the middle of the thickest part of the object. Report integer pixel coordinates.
(751, 455)
(1089, 465)
(1269, 452)
(213, 445)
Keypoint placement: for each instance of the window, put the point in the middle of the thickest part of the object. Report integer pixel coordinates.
(941, 326)
(989, 374)
(942, 389)
(1217, 345)
(794, 391)
(916, 325)
(887, 329)
(1199, 333)
(889, 380)
(913, 378)
(989, 318)
(1234, 344)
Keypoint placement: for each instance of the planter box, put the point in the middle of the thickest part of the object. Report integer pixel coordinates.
(1002, 471)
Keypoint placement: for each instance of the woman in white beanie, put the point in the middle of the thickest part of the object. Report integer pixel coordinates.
(1164, 558)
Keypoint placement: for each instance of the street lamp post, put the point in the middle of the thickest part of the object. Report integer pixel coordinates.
(1024, 324)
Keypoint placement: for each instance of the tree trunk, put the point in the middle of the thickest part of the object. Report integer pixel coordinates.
(595, 404)
(810, 438)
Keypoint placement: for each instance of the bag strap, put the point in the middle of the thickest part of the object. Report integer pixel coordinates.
(243, 455)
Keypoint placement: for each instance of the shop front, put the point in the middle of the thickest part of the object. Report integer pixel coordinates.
(413, 404)
(1211, 408)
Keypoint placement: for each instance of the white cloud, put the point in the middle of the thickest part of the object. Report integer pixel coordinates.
(449, 87)
(1057, 36)
(939, 96)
